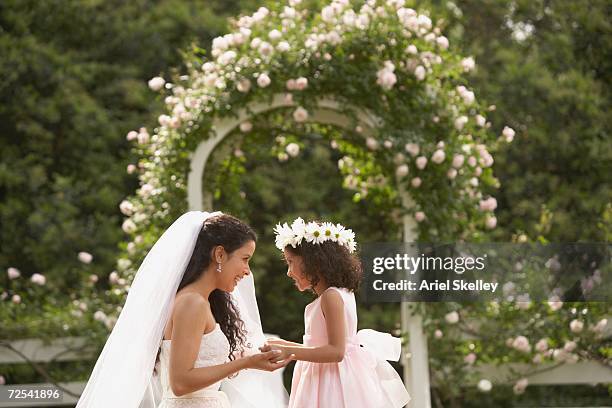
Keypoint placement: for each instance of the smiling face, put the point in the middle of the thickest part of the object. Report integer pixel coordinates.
(234, 266)
(294, 271)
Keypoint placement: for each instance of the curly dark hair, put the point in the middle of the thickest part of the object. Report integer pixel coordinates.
(331, 262)
(230, 233)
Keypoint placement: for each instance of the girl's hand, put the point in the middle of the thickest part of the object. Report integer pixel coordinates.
(283, 355)
(275, 341)
(269, 360)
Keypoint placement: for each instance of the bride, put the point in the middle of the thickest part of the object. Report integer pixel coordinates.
(192, 309)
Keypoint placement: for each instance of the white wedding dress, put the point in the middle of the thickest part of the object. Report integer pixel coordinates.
(214, 350)
(123, 374)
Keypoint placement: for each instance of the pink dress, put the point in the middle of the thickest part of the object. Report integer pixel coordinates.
(363, 379)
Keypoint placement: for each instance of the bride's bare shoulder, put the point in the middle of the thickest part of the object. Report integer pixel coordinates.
(191, 302)
(193, 310)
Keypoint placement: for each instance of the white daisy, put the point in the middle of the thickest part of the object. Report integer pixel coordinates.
(284, 236)
(339, 229)
(346, 235)
(328, 231)
(298, 227)
(313, 233)
(352, 245)
(334, 232)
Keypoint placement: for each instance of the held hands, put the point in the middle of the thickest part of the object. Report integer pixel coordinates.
(269, 360)
(276, 346)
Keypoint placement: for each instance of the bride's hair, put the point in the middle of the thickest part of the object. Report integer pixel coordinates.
(230, 233)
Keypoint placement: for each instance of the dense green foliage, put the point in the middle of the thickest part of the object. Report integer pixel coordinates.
(74, 82)
(546, 65)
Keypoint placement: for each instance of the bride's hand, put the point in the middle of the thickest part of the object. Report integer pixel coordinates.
(283, 355)
(269, 360)
(266, 347)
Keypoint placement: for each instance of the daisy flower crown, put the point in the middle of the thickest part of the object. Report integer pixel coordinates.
(313, 232)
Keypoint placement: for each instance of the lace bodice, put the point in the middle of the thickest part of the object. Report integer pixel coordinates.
(214, 350)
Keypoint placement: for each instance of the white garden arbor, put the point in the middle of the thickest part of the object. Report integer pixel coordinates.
(415, 359)
(378, 66)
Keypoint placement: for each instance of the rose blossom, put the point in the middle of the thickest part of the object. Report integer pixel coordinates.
(301, 83)
(521, 343)
(542, 345)
(156, 83)
(412, 148)
(113, 277)
(470, 358)
(132, 135)
(246, 126)
(491, 222)
(371, 143)
(293, 149)
(460, 122)
(458, 160)
(489, 204)
(85, 257)
(508, 134)
(442, 42)
(569, 346)
(244, 85)
(38, 279)
(468, 64)
(401, 171)
(485, 385)
(421, 162)
(600, 326)
(128, 226)
(300, 114)
(13, 273)
(576, 326)
(520, 386)
(385, 76)
(263, 80)
(452, 317)
(419, 73)
(481, 120)
(438, 156)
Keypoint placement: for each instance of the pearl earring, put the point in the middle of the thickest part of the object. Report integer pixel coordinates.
(219, 267)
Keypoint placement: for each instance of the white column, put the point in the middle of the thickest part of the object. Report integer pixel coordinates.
(416, 367)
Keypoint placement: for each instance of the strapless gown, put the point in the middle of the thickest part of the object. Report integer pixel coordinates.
(214, 350)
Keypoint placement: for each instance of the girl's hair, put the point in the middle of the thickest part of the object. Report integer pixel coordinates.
(230, 233)
(329, 261)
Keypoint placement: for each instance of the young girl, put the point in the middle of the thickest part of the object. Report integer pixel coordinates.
(337, 367)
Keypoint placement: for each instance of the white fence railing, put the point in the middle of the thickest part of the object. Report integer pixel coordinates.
(36, 351)
(75, 349)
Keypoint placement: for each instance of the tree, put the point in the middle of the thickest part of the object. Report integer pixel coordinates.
(547, 66)
(74, 81)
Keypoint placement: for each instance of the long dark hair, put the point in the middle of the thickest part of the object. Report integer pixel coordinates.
(230, 233)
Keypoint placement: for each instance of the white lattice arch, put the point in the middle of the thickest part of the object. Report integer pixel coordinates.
(416, 367)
